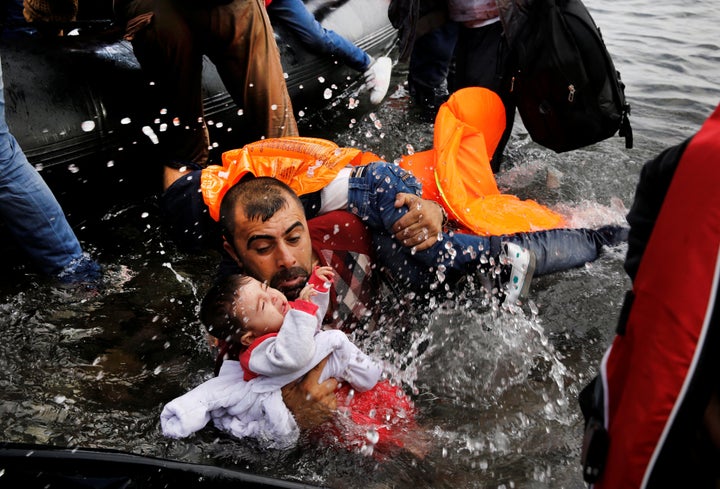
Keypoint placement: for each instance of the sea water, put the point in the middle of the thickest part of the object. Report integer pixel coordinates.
(496, 392)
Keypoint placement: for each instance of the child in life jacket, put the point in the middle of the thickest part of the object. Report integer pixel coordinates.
(271, 342)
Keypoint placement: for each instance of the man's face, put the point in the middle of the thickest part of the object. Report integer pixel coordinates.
(277, 251)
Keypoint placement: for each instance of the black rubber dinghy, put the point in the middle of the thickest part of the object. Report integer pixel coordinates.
(78, 104)
(42, 467)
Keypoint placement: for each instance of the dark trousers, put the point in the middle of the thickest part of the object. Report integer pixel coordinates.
(482, 60)
(238, 38)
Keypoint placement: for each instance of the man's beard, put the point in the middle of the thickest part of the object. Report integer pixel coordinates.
(292, 292)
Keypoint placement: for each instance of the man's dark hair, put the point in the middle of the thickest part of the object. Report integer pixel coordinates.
(217, 310)
(259, 198)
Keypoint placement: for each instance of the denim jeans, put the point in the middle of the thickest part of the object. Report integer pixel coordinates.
(371, 196)
(316, 39)
(32, 214)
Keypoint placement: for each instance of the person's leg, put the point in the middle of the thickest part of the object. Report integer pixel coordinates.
(242, 46)
(33, 215)
(171, 58)
(302, 23)
(561, 249)
(482, 61)
(186, 217)
(371, 196)
(429, 66)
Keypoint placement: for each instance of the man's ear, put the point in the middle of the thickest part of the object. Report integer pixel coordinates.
(230, 249)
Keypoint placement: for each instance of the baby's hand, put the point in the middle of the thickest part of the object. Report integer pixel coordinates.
(307, 292)
(326, 274)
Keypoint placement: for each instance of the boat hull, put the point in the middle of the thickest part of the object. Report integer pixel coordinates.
(80, 107)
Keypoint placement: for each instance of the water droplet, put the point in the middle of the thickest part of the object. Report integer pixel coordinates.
(125, 121)
(372, 436)
(147, 130)
(87, 126)
(327, 94)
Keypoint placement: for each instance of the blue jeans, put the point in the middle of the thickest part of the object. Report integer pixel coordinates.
(371, 196)
(32, 214)
(316, 39)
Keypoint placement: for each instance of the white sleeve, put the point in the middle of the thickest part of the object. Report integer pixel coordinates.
(290, 350)
(334, 196)
(348, 363)
(322, 300)
(190, 412)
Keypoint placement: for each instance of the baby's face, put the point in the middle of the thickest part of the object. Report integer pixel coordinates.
(261, 308)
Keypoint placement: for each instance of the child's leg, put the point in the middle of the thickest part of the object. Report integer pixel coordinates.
(372, 190)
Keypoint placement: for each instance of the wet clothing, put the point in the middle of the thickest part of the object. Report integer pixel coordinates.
(34, 217)
(339, 240)
(343, 241)
(645, 410)
(655, 178)
(255, 408)
(169, 39)
(371, 196)
(429, 68)
(311, 34)
(252, 405)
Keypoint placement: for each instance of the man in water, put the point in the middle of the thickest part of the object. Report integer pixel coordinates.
(268, 236)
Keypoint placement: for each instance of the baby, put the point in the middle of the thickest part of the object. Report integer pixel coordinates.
(272, 342)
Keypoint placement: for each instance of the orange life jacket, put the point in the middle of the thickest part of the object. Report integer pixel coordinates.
(457, 172)
(305, 164)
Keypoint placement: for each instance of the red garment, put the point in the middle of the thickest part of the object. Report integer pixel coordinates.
(653, 373)
(381, 417)
(342, 241)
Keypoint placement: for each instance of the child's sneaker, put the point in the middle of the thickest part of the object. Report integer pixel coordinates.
(377, 79)
(518, 266)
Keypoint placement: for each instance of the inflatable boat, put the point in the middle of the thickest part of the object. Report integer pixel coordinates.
(40, 467)
(77, 104)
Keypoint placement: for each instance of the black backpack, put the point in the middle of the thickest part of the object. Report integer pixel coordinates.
(567, 90)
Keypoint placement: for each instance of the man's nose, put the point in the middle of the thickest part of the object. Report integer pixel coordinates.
(285, 258)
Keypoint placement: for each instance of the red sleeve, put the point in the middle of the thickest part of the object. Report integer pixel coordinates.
(244, 357)
(318, 283)
(304, 306)
(340, 231)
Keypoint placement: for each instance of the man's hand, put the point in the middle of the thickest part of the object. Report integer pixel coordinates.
(422, 224)
(310, 402)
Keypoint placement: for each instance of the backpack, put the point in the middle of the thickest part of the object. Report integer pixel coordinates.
(567, 90)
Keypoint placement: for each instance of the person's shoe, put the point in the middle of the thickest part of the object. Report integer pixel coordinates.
(518, 267)
(82, 273)
(377, 79)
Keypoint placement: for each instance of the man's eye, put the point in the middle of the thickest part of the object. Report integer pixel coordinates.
(262, 250)
(293, 239)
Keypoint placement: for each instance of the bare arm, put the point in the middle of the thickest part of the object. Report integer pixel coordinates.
(310, 402)
(419, 228)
